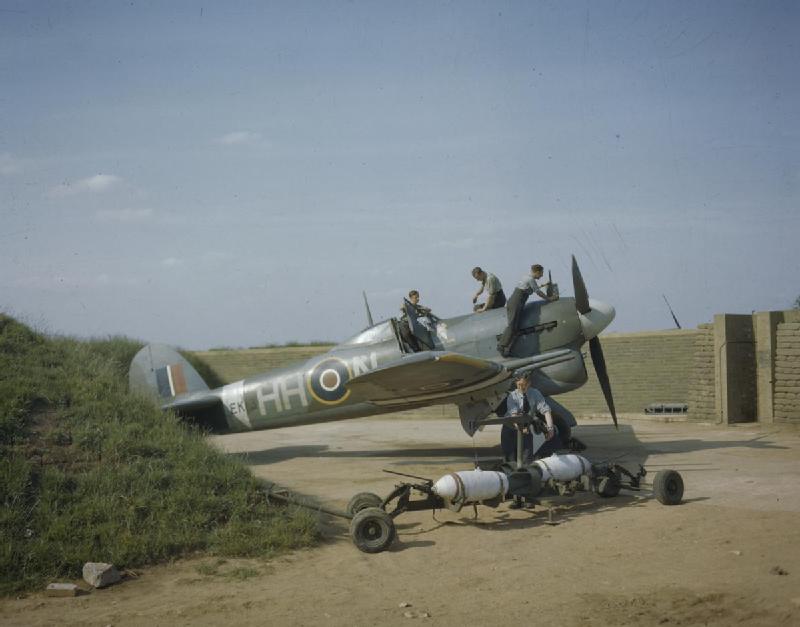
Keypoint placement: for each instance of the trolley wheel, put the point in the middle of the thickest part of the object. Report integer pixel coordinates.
(363, 500)
(372, 530)
(668, 487)
(608, 487)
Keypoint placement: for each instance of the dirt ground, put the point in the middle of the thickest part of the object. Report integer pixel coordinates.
(730, 554)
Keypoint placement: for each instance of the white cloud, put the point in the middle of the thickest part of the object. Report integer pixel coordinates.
(238, 138)
(9, 164)
(124, 215)
(93, 184)
(171, 262)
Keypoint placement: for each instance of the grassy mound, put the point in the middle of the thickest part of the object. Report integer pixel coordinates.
(89, 472)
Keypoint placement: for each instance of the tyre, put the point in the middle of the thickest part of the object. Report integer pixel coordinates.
(363, 500)
(608, 487)
(372, 530)
(668, 487)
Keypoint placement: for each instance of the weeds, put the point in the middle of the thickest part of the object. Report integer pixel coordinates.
(89, 472)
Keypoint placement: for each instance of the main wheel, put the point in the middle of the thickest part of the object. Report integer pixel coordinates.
(668, 487)
(363, 500)
(372, 530)
(608, 487)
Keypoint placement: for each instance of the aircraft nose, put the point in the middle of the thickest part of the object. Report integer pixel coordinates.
(598, 318)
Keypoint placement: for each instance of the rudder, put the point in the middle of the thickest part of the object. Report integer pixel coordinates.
(160, 371)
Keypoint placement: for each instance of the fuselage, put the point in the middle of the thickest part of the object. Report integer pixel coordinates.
(316, 390)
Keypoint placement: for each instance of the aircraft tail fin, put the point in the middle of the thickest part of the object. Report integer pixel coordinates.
(162, 372)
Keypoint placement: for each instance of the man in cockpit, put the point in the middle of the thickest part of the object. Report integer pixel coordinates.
(423, 316)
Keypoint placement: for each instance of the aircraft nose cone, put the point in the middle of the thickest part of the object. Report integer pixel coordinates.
(597, 319)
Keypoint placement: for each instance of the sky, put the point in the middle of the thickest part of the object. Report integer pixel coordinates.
(235, 174)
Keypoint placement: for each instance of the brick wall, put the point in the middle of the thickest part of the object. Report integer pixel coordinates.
(701, 380)
(787, 373)
(644, 368)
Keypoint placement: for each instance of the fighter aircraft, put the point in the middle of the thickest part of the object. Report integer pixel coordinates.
(378, 371)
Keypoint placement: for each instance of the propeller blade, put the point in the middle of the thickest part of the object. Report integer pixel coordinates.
(596, 351)
(581, 295)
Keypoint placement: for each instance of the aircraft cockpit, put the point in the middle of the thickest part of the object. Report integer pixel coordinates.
(377, 333)
(411, 334)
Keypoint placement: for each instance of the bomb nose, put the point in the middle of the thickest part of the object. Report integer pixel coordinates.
(599, 316)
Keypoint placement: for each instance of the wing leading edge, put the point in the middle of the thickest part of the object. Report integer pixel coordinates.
(434, 375)
(426, 376)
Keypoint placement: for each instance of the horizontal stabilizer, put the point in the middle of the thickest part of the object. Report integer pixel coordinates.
(162, 372)
(425, 376)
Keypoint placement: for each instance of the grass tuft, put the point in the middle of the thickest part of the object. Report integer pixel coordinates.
(89, 472)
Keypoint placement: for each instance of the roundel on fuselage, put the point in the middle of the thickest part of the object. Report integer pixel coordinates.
(327, 381)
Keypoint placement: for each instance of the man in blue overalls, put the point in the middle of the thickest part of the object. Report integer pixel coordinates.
(526, 400)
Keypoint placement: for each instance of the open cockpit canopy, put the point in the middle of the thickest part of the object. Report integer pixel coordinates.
(379, 332)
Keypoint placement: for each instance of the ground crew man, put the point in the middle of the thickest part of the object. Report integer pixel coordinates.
(495, 297)
(522, 292)
(525, 400)
(423, 316)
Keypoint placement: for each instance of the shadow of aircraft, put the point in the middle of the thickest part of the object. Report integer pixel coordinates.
(603, 444)
(410, 455)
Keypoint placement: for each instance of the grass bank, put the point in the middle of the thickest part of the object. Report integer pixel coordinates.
(89, 472)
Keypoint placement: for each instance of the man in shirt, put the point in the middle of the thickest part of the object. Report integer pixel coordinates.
(525, 400)
(423, 316)
(495, 297)
(529, 285)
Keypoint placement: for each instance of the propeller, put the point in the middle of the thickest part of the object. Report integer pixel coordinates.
(592, 328)
(596, 351)
(581, 295)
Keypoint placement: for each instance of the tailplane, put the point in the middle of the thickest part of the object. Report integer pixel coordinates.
(162, 372)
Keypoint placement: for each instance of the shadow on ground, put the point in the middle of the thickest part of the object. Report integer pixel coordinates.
(603, 443)
(554, 511)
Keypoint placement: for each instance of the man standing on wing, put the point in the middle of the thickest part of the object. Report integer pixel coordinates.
(529, 285)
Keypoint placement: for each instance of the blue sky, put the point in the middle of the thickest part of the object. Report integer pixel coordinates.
(236, 173)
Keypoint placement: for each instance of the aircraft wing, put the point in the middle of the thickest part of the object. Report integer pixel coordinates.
(427, 376)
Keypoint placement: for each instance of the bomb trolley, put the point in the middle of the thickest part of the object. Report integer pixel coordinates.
(372, 527)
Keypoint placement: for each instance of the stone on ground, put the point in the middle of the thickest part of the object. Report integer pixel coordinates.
(100, 575)
(62, 590)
